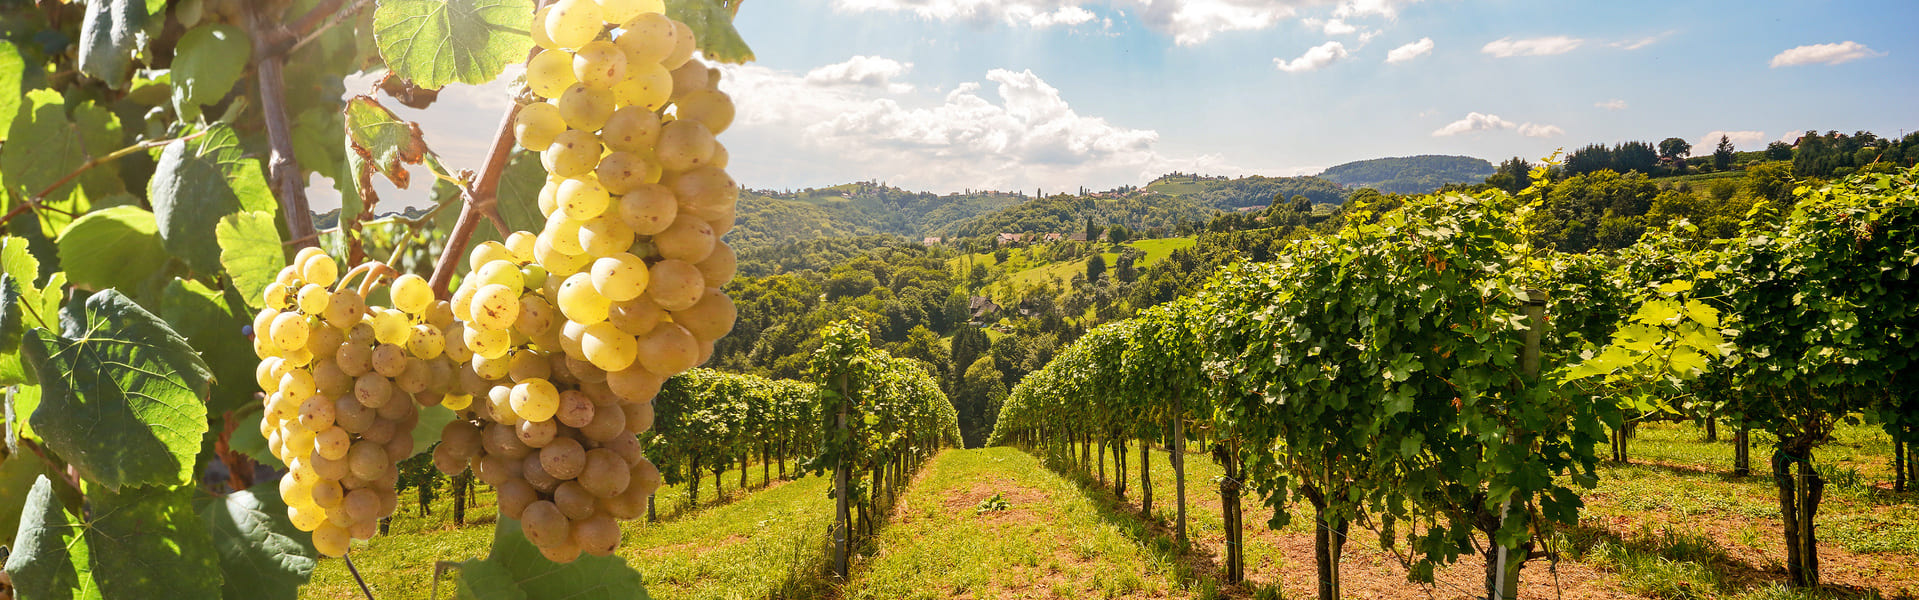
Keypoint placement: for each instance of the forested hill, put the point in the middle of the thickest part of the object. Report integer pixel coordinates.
(771, 218)
(1409, 174)
(1255, 190)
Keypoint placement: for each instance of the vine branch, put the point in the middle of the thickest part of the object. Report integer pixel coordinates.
(38, 199)
(282, 168)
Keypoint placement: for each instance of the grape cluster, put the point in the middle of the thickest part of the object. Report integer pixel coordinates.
(566, 336)
(344, 383)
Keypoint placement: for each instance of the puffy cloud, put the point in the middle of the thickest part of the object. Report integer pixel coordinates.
(1032, 13)
(1746, 139)
(861, 70)
(1830, 54)
(1542, 46)
(1613, 104)
(1410, 51)
(1011, 131)
(1189, 22)
(1338, 27)
(1485, 122)
(1314, 58)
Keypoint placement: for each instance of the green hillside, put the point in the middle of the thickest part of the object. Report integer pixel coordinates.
(1409, 174)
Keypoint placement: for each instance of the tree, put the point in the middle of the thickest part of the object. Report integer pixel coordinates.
(1092, 231)
(1513, 175)
(1722, 154)
(1095, 267)
(1118, 234)
(1778, 150)
(1674, 149)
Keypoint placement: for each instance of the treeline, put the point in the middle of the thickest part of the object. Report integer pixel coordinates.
(1067, 214)
(1409, 174)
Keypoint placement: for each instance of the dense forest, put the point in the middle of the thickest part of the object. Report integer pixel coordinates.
(1409, 174)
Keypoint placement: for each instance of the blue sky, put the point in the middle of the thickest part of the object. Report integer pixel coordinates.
(945, 95)
(948, 95)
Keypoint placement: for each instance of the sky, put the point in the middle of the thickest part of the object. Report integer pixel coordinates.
(951, 95)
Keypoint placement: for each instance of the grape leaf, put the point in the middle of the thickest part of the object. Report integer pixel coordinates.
(207, 63)
(49, 558)
(117, 247)
(12, 68)
(122, 396)
(519, 194)
(529, 575)
(384, 140)
(200, 314)
(261, 554)
(38, 307)
(57, 148)
(712, 25)
(111, 34)
(246, 439)
(250, 251)
(17, 474)
(436, 42)
(147, 542)
(198, 182)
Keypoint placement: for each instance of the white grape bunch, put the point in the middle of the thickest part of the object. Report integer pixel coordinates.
(564, 335)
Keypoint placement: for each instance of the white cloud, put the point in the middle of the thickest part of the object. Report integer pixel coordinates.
(1012, 130)
(1636, 44)
(1338, 27)
(1830, 54)
(1613, 104)
(861, 70)
(1540, 131)
(1032, 13)
(1410, 51)
(1542, 46)
(1473, 122)
(1485, 122)
(1747, 139)
(1791, 137)
(1314, 58)
(1189, 22)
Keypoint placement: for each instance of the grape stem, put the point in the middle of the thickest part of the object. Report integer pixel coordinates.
(480, 200)
(38, 199)
(282, 168)
(356, 576)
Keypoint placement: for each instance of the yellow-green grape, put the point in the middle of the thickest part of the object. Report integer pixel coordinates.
(620, 172)
(297, 385)
(488, 343)
(520, 245)
(636, 316)
(571, 332)
(493, 368)
(537, 124)
(495, 307)
(390, 326)
(668, 350)
(344, 310)
(527, 365)
(426, 342)
(486, 252)
(606, 474)
(573, 153)
(289, 332)
(500, 272)
(573, 23)
(582, 199)
(319, 269)
(684, 145)
(264, 374)
(585, 108)
(649, 209)
(535, 400)
(548, 74)
(580, 302)
(306, 518)
(683, 47)
(599, 65)
(675, 284)
(563, 234)
(537, 434)
(707, 192)
(316, 414)
(374, 390)
(277, 296)
(533, 274)
(539, 30)
(620, 277)
(605, 235)
(632, 129)
(648, 39)
(710, 107)
(607, 347)
(689, 78)
(637, 384)
(548, 194)
(720, 267)
(313, 299)
(710, 318)
(455, 336)
(647, 85)
(463, 301)
(690, 240)
(536, 316)
(720, 156)
(411, 294)
(333, 442)
(456, 401)
(619, 11)
(298, 357)
(557, 262)
(331, 539)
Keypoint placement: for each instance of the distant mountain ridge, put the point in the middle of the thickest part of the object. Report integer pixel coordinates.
(1409, 174)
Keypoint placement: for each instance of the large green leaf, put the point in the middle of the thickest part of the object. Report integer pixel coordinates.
(17, 474)
(529, 575)
(49, 559)
(57, 148)
(436, 42)
(207, 63)
(246, 439)
(712, 25)
(251, 252)
(12, 68)
(261, 554)
(147, 542)
(37, 306)
(114, 248)
(197, 183)
(201, 314)
(383, 139)
(111, 34)
(519, 195)
(122, 393)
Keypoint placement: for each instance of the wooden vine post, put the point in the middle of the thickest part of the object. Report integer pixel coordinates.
(841, 514)
(1503, 574)
(1179, 464)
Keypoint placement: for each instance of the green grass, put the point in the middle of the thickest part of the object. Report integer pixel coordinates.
(1053, 540)
(754, 543)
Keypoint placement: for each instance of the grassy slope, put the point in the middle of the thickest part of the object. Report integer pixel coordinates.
(1667, 526)
(741, 546)
(1024, 268)
(1052, 541)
